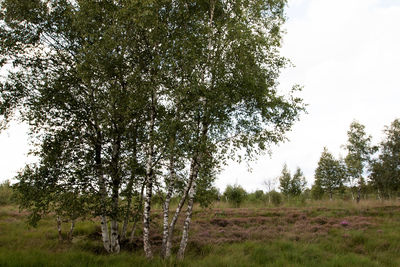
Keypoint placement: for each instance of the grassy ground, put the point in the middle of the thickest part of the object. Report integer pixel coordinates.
(337, 233)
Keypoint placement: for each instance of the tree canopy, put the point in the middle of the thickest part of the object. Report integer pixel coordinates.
(127, 97)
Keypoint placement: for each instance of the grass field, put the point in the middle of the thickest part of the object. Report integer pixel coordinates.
(337, 233)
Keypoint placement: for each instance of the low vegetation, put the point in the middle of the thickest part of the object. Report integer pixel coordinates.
(328, 233)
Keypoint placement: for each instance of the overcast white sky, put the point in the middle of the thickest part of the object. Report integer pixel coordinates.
(347, 57)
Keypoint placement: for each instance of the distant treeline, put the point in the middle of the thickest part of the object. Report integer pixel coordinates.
(366, 171)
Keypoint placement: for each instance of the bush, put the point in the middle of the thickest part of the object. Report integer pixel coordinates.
(207, 196)
(235, 195)
(317, 192)
(257, 196)
(276, 198)
(6, 193)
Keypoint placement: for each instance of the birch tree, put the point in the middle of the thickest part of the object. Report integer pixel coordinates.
(146, 90)
(75, 71)
(237, 102)
(330, 173)
(359, 151)
(385, 174)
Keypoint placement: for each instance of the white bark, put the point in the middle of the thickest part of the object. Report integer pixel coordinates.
(103, 198)
(149, 183)
(71, 230)
(146, 217)
(178, 210)
(115, 248)
(59, 228)
(170, 185)
(104, 233)
(186, 225)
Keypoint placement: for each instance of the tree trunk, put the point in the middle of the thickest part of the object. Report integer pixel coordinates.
(359, 194)
(186, 225)
(170, 185)
(104, 233)
(71, 230)
(60, 238)
(103, 194)
(197, 160)
(115, 247)
(116, 181)
(178, 210)
(149, 182)
(146, 216)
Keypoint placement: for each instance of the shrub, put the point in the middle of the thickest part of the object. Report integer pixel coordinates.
(317, 192)
(256, 196)
(276, 198)
(235, 195)
(6, 193)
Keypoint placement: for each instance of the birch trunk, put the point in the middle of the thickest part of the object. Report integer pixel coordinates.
(71, 230)
(358, 194)
(178, 210)
(186, 225)
(197, 160)
(149, 182)
(114, 237)
(115, 247)
(146, 214)
(116, 181)
(167, 202)
(60, 238)
(103, 194)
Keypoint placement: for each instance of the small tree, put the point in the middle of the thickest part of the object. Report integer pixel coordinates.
(385, 174)
(330, 173)
(235, 195)
(292, 186)
(6, 193)
(359, 151)
(270, 185)
(276, 197)
(285, 181)
(316, 190)
(298, 183)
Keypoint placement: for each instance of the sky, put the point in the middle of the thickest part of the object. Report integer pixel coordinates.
(346, 55)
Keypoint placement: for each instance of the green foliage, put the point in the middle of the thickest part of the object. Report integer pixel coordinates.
(298, 183)
(292, 186)
(208, 196)
(285, 181)
(235, 195)
(276, 198)
(359, 151)
(109, 87)
(316, 190)
(257, 196)
(330, 173)
(385, 171)
(6, 193)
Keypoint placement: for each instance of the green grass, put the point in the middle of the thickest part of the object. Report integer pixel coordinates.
(375, 245)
